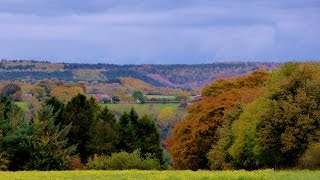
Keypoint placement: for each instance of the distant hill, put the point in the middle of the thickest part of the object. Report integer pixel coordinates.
(180, 75)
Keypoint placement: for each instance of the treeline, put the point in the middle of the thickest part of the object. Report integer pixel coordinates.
(261, 120)
(173, 75)
(33, 76)
(76, 135)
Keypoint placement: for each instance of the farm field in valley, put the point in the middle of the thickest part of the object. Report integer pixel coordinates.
(135, 174)
(140, 108)
(160, 97)
(23, 106)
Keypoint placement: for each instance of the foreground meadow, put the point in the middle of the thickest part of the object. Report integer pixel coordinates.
(135, 174)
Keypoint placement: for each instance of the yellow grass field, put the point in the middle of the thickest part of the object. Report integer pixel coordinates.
(135, 174)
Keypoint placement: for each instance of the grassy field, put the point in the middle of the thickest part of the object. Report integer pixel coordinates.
(140, 108)
(135, 174)
(160, 97)
(23, 106)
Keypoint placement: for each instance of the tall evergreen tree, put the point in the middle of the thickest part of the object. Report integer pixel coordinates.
(104, 134)
(58, 108)
(139, 133)
(149, 138)
(81, 113)
(15, 132)
(127, 134)
(48, 143)
(134, 117)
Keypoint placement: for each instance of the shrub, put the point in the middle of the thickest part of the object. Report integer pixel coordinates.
(4, 162)
(122, 161)
(311, 158)
(74, 163)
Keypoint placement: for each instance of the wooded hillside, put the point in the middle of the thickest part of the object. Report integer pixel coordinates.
(183, 76)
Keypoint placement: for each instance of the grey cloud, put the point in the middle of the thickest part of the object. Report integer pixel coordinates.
(159, 31)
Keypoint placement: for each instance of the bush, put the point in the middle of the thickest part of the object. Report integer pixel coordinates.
(4, 162)
(311, 158)
(74, 163)
(122, 161)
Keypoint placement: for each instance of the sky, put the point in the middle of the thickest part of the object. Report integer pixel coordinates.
(160, 31)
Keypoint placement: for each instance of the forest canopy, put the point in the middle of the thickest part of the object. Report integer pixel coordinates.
(261, 120)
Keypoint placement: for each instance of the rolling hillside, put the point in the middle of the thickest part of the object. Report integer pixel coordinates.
(182, 76)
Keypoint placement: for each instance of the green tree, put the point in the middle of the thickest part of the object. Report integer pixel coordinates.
(15, 132)
(138, 96)
(4, 161)
(115, 99)
(48, 143)
(58, 108)
(81, 113)
(39, 92)
(104, 134)
(134, 117)
(149, 138)
(245, 136)
(182, 97)
(219, 156)
(291, 121)
(127, 134)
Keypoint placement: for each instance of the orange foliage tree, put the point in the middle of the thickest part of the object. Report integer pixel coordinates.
(65, 93)
(193, 137)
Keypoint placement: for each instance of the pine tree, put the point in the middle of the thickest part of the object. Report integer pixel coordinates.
(127, 134)
(58, 108)
(149, 138)
(15, 132)
(81, 113)
(48, 145)
(104, 134)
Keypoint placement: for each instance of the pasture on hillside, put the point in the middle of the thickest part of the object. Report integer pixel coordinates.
(136, 174)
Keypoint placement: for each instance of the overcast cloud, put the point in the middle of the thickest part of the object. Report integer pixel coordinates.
(162, 31)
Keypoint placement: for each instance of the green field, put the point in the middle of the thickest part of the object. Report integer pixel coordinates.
(23, 106)
(161, 97)
(140, 108)
(135, 174)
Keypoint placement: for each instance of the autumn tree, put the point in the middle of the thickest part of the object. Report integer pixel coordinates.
(182, 96)
(291, 121)
(165, 116)
(194, 136)
(13, 90)
(65, 93)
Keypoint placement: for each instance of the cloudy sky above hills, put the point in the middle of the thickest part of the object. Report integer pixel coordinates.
(159, 31)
